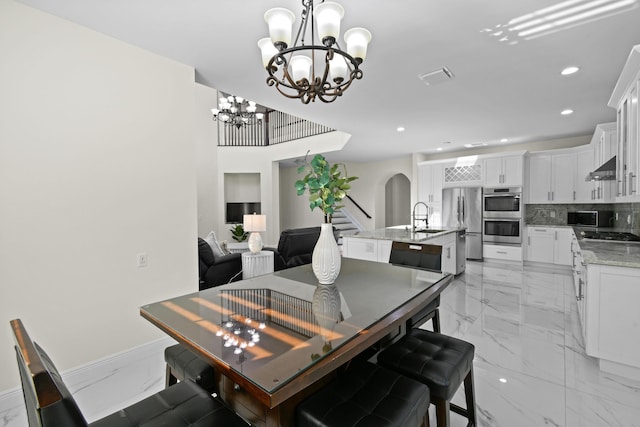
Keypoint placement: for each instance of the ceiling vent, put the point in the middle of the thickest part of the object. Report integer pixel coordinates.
(436, 77)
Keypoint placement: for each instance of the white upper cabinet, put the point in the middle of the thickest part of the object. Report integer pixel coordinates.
(559, 176)
(430, 179)
(625, 100)
(603, 145)
(503, 171)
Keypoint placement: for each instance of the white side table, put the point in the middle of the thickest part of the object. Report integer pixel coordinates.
(256, 264)
(238, 247)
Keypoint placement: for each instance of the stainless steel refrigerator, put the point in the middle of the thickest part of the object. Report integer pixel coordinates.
(462, 207)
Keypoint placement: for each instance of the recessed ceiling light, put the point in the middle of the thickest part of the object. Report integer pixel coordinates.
(504, 140)
(475, 144)
(503, 380)
(400, 129)
(566, 112)
(569, 70)
(439, 149)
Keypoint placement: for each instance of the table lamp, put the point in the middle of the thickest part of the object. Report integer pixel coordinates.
(255, 224)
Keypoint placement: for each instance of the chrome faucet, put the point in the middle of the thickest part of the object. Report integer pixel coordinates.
(425, 219)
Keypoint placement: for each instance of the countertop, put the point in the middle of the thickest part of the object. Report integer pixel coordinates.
(621, 254)
(402, 233)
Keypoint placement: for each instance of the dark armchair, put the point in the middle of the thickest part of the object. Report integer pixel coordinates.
(296, 247)
(217, 271)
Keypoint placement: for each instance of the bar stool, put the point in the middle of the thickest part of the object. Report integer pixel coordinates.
(183, 364)
(441, 362)
(366, 395)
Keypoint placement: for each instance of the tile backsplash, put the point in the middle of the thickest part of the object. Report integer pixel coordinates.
(627, 214)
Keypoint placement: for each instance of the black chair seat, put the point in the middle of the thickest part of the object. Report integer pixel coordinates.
(366, 395)
(50, 404)
(183, 364)
(440, 361)
(184, 404)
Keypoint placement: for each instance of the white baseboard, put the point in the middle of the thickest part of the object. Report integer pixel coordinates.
(103, 386)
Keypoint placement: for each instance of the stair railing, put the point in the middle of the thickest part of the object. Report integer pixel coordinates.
(359, 207)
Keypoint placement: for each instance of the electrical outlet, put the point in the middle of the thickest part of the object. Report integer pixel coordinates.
(142, 260)
(616, 216)
(553, 214)
(629, 219)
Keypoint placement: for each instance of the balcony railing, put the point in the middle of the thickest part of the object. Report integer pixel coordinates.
(276, 128)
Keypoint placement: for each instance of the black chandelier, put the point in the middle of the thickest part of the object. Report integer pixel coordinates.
(292, 70)
(236, 111)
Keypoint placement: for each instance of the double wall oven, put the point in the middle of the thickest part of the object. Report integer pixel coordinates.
(502, 215)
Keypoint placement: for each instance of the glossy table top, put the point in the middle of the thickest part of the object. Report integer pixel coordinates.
(271, 328)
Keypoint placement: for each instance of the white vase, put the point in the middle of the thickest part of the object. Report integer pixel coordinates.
(326, 258)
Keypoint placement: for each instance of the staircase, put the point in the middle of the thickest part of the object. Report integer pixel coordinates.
(343, 225)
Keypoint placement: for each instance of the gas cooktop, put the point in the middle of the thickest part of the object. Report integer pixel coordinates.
(616, 236)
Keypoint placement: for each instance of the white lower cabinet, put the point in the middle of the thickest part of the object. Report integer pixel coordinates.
(612, 318)
(550, 245)
(366, 249)
(502, 252)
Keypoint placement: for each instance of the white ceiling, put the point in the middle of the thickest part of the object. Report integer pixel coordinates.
(499, 90)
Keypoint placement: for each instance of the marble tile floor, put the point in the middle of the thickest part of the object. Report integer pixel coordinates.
(530, 365)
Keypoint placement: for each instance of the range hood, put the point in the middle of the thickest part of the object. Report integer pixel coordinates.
(605, 172)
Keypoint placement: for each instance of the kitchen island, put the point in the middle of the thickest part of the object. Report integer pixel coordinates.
(375, 245)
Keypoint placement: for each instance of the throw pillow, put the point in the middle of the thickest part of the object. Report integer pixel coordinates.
(215, 246)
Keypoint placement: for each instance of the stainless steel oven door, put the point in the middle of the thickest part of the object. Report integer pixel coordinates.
(502, 205)
(502, 230)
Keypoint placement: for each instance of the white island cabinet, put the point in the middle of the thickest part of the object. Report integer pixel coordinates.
(550, 245)
(376, 245)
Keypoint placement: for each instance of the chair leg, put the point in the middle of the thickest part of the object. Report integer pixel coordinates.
(442, 413)
(170, 378)
(470, 395)
(436, 321)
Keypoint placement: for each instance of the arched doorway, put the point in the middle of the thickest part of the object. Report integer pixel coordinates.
(397, 193)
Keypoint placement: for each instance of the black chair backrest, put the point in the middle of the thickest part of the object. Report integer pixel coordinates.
(296, 245)
(49, 403)
(416, 255)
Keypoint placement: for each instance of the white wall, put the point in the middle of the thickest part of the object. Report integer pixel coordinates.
(97, 164)
(206, 131)
(368, 191)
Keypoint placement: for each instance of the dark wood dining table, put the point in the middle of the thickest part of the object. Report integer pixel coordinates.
(275, 339)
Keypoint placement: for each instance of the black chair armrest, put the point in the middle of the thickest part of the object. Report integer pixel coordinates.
(278, 260)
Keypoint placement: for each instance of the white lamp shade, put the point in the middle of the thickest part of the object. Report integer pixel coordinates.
(267, 49)
(300, 67)
(252, 223)
(280, 21)
(328, 16)
(338, 68)
(357, 40)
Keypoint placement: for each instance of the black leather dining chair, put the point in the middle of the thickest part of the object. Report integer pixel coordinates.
(424, 257)
(50, 404)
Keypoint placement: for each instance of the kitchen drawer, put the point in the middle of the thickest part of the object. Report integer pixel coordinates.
(508, 253)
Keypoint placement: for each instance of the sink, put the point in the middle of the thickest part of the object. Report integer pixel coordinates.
(428, 230)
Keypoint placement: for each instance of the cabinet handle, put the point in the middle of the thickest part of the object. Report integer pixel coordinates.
(574, 195)
(501, 252)
(618, 192)
(549, 195)
(552, 196)
(448, 252)
(631, 176)
(599, 196)
(555, 237)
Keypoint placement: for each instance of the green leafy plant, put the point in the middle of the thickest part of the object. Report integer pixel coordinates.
(238, 233)
(325, 183)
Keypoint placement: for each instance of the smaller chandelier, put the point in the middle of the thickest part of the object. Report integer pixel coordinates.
(310, 71)
(236, 111)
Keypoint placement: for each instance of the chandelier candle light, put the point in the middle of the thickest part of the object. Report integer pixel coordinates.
(255, 224)
(310, 71)
(236, 111)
